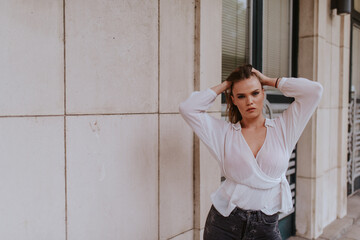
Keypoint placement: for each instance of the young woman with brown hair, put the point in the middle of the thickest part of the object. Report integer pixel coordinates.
(253, 152)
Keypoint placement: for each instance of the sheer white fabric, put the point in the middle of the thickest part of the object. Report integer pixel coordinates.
(253, 183)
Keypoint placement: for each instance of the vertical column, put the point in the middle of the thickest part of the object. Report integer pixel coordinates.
(207, 74)
(321, 176)
(176, 197)
(311, 152)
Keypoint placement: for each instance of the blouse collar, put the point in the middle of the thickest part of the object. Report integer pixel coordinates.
(268, 123)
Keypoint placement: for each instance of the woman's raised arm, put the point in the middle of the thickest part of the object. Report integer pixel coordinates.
(209, 129)
(221, 87)
(307, 96)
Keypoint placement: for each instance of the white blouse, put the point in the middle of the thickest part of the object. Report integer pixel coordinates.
(253, 183)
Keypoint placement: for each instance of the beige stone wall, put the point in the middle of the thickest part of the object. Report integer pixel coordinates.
(322, 154)
(112, 120)
(92, 144)
(32, 185)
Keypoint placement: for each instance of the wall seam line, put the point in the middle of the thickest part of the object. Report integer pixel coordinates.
(158, 113)
(65, 150)
(83, 114)
(196, 143)
(183, 232)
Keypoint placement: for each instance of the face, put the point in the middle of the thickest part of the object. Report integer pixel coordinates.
(248, 95)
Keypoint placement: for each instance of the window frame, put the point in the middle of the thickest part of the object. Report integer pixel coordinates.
(354, 20)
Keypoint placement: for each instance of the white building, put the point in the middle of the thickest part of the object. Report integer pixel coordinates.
(91, 142)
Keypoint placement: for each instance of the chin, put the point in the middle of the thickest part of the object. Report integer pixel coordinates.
(252, 115)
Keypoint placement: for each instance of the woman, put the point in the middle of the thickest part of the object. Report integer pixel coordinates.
(253, 152)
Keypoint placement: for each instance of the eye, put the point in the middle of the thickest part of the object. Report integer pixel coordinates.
(255, 93)
(241, 96)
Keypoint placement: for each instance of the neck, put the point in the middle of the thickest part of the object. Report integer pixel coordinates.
(253, 122)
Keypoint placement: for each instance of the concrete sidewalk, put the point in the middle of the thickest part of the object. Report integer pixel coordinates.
(347, 228)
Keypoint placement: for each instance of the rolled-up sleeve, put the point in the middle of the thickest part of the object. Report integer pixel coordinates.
(209, 129)
(307, 96)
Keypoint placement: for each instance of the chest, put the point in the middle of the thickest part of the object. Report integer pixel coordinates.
(254, 139)
(249, 152)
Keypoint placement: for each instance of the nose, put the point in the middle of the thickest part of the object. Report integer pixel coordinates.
(249, 100)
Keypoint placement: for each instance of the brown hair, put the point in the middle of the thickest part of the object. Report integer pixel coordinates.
(241, 73)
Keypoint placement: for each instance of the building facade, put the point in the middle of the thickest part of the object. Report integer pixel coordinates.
(92, 143)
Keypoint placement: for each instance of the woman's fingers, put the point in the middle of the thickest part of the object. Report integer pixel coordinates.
(263, 79)
(258, 73)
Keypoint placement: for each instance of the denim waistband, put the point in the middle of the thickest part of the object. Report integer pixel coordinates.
(253, 214)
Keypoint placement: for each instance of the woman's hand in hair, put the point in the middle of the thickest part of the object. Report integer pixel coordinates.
(221, 87)
(264, 79)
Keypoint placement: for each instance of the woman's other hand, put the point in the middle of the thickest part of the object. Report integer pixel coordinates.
(221, 87)
(264, 79)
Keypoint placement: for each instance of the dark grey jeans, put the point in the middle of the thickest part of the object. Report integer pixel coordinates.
(241, 224)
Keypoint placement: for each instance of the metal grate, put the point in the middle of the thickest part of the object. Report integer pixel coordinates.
(353, 164)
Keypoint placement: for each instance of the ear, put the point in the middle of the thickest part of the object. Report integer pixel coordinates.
(232, 99)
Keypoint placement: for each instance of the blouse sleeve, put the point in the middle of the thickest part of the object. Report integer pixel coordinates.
(209, 129)
(307, 96)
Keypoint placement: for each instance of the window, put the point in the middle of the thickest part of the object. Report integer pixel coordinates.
(357, 5)
(354, 126)
(235, 39)
(235, 35)
(277, 43)
(355, 59)
(276, 38)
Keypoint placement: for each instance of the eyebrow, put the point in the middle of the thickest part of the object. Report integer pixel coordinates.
(244, 93)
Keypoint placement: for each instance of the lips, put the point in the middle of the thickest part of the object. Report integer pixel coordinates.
(249, 109)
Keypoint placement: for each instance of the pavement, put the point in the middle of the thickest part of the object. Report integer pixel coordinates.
(346, 228)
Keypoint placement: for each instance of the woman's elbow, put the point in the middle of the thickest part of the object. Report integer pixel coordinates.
(318, 89)
(183, 108)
